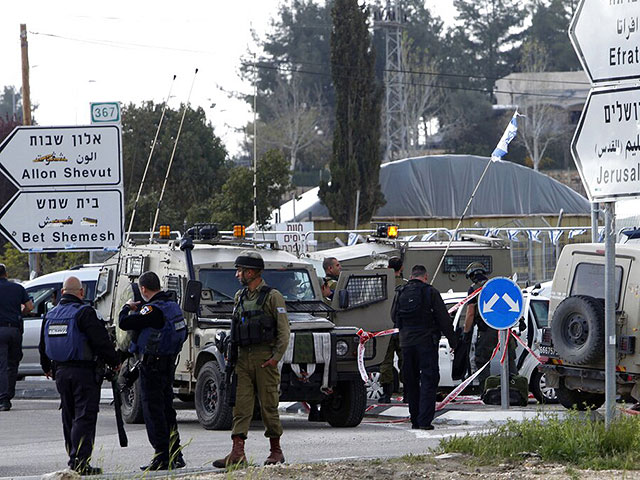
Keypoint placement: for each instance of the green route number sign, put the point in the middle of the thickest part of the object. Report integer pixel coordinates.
(105, 112)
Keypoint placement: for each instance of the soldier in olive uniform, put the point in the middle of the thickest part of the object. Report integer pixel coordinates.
(261, 331)
(386, 367)
(332, 269)
(487, 336)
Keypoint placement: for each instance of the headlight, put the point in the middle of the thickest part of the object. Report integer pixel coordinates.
(341, 348)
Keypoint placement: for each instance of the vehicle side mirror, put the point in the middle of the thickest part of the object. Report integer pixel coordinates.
(191, 300)
(343, 298)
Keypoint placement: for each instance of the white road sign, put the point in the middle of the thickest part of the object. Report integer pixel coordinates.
(64, 220)
(606, 37)
(293, 240)
(63, 156)
(105, 112)
(606, 145)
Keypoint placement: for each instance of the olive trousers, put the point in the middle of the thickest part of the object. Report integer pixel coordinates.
(253, 379)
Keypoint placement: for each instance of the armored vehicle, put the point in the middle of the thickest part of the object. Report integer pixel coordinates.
(320, 366)
(575, 341)
(492, 252)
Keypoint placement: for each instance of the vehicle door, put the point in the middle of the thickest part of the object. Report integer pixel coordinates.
(445, 352)
(44, 298)
(363, 299)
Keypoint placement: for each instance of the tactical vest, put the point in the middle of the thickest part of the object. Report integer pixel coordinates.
(251, 323)
(64, 342)
(163, 341)
(413, 306)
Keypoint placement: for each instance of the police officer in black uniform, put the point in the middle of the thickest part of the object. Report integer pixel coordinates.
(14, 302)
(160, 332)
(421, 317)
(72, 339)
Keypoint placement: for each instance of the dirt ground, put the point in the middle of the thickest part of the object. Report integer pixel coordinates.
(433, 467)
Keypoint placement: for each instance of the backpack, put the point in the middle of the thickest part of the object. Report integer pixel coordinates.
(518, 391)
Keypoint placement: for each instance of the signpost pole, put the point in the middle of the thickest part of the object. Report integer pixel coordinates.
(594, 222)
(610, 313)
(504, 373)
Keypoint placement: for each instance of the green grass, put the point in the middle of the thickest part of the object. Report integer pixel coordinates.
(575, 440)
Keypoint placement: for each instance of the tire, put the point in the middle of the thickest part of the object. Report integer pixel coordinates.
(346, 406)
(577, 330)
(538, 387)
(374, 387)
(577, 399)
(131, 400)
(211, 405)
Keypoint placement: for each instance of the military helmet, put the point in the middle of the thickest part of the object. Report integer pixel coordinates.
(250, 259)
(476, 267)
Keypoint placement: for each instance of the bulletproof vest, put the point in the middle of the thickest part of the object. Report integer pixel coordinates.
(64, 342)
(252, 324)
(167, 340)
(413, 306)
(477, 319)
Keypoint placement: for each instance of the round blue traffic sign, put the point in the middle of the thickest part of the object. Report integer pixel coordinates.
(501, 303)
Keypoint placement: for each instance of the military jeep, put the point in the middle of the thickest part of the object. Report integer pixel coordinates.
(325, 374)
(575, 341)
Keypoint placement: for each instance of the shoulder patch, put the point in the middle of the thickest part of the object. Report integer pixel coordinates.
(281, 309)
(147, 309)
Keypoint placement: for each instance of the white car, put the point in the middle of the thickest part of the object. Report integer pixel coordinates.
(45, 291)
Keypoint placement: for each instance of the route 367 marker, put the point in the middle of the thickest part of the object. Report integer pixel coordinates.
(501, 303)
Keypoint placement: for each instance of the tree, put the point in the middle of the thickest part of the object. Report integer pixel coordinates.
(198, 170)
(234, 203)
(549, 26)
(486, 40)
(355, 161)
(18, 263)
(543, 122)
(298, 119)
(11, 105)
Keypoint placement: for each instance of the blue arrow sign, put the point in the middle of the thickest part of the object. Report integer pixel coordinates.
(501, 303)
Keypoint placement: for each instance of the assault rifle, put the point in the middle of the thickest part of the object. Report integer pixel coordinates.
(230, 377)
(112, 376)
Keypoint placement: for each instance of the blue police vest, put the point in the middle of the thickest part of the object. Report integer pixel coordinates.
(64, 342)
(167, 340)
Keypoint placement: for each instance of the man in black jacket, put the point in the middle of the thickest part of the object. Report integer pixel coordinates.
(421, 317)
(160, 332)
(72, 339)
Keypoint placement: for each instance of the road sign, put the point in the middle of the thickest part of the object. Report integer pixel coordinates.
(606, 145)
(64, 220)
(501, 303)
(105, 112)
(293, 240)
(63, 156)
(606, 36)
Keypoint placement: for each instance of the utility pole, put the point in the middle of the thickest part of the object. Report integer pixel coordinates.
(35, 266)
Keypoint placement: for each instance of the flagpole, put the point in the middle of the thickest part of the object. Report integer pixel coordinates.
(500, 150)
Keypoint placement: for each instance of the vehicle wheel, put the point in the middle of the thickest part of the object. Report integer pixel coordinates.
(577, 330)
(538, 386)
(346, 406)
(578, 399)
(185, 397)
(211, 405)
(373, 386)
(131, 398)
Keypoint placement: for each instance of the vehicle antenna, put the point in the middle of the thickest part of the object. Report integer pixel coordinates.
(146, 168)
(173, 153)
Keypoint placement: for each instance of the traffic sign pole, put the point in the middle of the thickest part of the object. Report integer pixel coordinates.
(504, 376)
(610, 313)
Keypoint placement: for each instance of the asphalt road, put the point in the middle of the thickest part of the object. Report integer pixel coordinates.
(31, 442)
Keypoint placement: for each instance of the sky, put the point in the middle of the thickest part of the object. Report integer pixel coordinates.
(128, 51)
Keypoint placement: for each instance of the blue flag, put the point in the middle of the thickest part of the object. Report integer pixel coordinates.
(508, 135)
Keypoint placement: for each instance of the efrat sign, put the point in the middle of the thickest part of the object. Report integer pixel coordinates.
(606, 145)
(501, 303)
(293, 238)
(606, 37)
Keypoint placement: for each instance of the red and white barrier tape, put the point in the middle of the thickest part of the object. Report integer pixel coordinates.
(526, 347)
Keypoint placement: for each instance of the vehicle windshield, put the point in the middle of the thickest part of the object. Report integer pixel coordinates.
(293, 284)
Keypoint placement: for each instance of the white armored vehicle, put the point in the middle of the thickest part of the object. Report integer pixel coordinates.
(320, 366)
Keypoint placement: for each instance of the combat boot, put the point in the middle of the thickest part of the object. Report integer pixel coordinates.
(276, 455)
(236, 457)
(387, 390)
